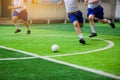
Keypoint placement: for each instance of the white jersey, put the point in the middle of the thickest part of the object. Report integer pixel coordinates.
(71, 5)
(19, 3)
(94, 4)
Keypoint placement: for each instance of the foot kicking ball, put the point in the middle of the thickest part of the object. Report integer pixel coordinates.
(55, 48)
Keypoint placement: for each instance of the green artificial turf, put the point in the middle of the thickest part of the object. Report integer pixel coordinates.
(39, 69)
(43, 36)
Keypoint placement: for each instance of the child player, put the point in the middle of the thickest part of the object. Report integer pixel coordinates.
(75, 16)
(96, 10)
(20, 12)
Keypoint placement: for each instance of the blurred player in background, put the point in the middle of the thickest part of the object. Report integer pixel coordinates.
(96, 10)
(75, 16)
(20, 12)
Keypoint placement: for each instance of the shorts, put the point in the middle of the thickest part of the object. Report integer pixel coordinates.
(75, 16)
(22, 15)
(97, 12)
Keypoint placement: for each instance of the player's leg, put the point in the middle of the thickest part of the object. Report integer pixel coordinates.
(100, 15)
(91, 16)
(80, 25)
(15, 19)
(77, 21)
(108, 21)
(24, 16)
(26, 23)
(91, 22)
(78, 31)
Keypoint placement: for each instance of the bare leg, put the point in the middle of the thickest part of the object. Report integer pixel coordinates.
(91, 22)
(15, 18)
(27, 26)
(78, 31)
(77, 28)
(108, 21)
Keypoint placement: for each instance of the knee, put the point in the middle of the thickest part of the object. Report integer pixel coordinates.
(14, 19)
(91, 18)
(75, 23)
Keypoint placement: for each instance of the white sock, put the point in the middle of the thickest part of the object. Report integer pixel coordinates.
(80, 35)
(93, 29)
(17, 26)
(109, 21)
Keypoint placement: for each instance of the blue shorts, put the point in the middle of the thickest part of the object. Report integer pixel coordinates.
(77, 16)
(22, 15)
(98, 12)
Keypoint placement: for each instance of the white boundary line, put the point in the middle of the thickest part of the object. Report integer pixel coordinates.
(110, 45)
(23, 58)
(65, 63)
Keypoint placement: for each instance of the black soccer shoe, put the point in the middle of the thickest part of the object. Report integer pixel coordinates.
(112, 25)
(82, 41)
(17, 31)
(93, 35)
(28, 32)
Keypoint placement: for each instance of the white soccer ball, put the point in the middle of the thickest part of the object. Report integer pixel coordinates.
(55, 48)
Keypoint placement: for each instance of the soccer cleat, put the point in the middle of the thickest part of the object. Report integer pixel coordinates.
(17, 31)
(82, 41)
(112, 25)
(28, 32)
(93, 35)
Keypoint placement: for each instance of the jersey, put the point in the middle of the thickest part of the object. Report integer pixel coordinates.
(71, 5)
(19, 3)
(94, 5)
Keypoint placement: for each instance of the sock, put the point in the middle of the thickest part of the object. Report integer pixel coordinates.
(80, 35)
(109, 21)
(17, 26)
(93, 29)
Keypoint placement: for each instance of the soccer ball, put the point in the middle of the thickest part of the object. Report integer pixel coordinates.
(55, 48)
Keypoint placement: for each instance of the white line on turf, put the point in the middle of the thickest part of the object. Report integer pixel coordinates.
(65, 63)
(110, 45)
(23, 58)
